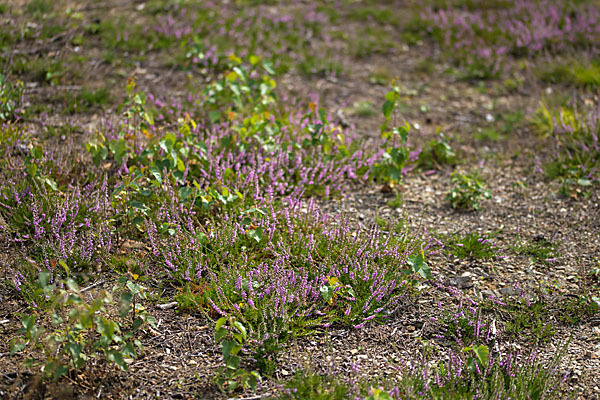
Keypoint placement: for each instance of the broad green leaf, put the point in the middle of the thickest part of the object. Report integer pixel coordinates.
(43, 279)
(241, 328)
(139, 205)
(60, 370)
(227, 347)
(156, 174)
(392, 96)
(51, 183)
(128, 350)
(125, 303)
(219, 334)
(482, 353)
(37, 152)
(138, 222)
(185, 192)
(149, 118)
(387, 108)
(233, 362)
(256, 234)
(268, 66)
(116, 357)
(74, 350)
(17, 348)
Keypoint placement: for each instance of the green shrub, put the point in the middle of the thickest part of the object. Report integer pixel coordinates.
(468, 191)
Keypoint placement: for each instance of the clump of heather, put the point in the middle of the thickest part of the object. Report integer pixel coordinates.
(474, 373)
(482, 373)
(246, 149)
(49, 213)
(285, 268)
(64, 235)
(482, 35)
(210, 32)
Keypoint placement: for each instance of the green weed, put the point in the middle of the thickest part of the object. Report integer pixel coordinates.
(531, 318)
(11, 99)
(468, 191)
(437, 153)
(83, 330)
(574, 134)
(479, 371)
(232, 335)
(395, 137)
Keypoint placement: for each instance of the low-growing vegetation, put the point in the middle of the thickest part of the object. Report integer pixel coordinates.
(260, 199)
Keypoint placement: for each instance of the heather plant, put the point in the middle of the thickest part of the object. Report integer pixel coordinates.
(538, 249)
(480, 37)
(480, 372)
(539, 314)
(67, 234)
(338, 288)
(254, 151)
(473, 372)
(468, 191)
(81, 330)
(302, 271)
(530, 316)
(216, 184)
